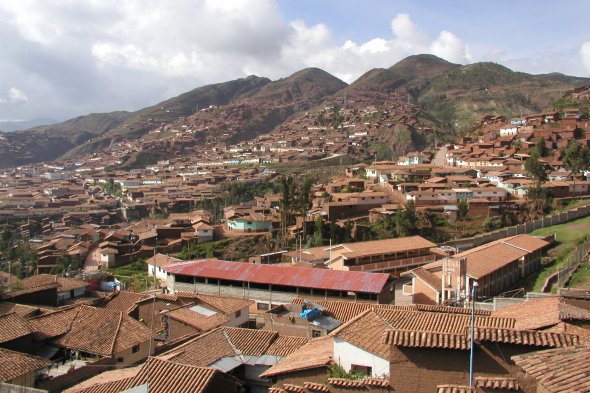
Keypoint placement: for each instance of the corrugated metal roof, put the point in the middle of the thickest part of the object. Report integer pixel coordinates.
(282, 275)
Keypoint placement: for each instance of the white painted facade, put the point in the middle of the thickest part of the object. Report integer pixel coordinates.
(347, 355)
(507, 131)
(158, 272)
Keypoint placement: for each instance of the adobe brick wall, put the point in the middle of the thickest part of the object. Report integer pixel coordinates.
(422, 369)
(318, 375)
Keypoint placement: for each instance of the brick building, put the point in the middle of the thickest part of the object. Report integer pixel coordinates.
(496, 266)
(392, 256)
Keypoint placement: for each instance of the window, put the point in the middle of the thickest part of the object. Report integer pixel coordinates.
(120, 360)
(135, 349)
(238, 313)
(262, 306)
(366, 370)
(316, 333)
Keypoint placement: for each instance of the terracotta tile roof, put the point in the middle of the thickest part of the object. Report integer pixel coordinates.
(375, 330)
(12, 327)
(316, 353)
(198, 321)
(358, 383)
(124, 301)
(316, 387)
(496, 383)
(526, 337)
(428, 339)
(418, 339)
(53, 324)
(428, 278)
(65, 283)
(492, 256)
(285, 345)
(293, 388)
(560, 369)
(345, 311)
(208, 348)
(161, 260)
(384, 246)
(111, 376)
(440, 322)
(275, 389)
(15, 364)
(224, 304)
(115, 386)
(22, 310)
(250, 341)
(366, 331)
(452, 310)
(89, 329)
(543, 312)
(201, 351)
(163, 377)
(25, 291)
(456, 389)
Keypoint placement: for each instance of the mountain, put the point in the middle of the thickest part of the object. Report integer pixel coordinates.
(310, 84)
(98, 130)
(451, 97)
(46, 143)
(456, 96)
(405, 73)
(8, 126)
(140, 122)
(461, 95)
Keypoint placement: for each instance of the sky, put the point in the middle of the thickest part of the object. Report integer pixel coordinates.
(64, 58)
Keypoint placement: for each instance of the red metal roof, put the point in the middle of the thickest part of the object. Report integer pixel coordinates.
(335, 280)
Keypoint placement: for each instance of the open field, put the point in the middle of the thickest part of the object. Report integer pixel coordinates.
(568, 236)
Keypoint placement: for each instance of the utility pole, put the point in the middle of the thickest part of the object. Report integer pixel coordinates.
(473, 294)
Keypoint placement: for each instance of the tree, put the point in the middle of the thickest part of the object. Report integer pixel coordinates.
(318, 234)
(463, 209)
(539, 201)
(336, 118)
(141, 282)
(286, 206)
(541, 147)
(575, 158)
(405, 221)
(347, 236)
(534, 167)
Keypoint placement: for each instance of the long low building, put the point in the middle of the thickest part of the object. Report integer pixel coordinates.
(495, 266)
(393, 256)
(272, 285)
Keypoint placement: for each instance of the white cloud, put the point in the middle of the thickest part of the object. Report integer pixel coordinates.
(408, 35)
(14, 95)
(585, 55)
(450, 47)
(74, 57)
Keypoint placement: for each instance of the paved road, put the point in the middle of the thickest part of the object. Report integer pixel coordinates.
(92, 262)
(440, 158)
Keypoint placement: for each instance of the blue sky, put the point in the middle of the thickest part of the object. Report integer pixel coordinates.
(62, 58)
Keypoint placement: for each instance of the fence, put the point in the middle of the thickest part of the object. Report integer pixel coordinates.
(572, 263)
(546, 221)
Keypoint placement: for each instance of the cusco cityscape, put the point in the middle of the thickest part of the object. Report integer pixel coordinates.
(294, 196)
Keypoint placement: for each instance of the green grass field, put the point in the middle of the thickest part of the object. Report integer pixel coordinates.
(568, 235)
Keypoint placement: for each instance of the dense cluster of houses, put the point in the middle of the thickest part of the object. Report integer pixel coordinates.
(345, 317)
(198, 342)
